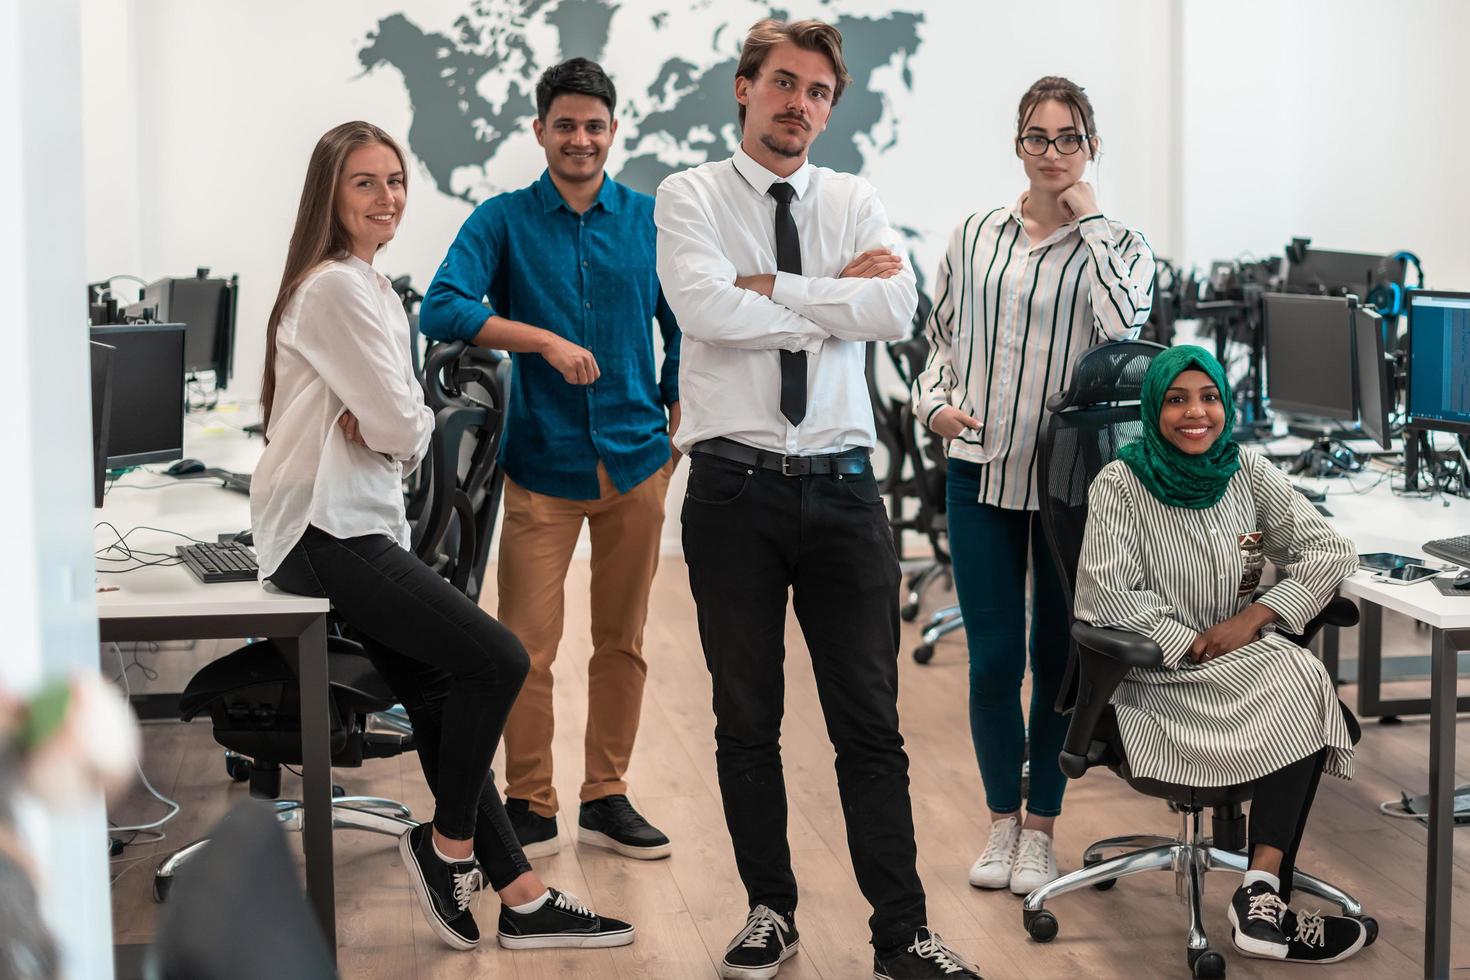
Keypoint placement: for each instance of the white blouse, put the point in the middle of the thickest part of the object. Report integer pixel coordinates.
(342, 345)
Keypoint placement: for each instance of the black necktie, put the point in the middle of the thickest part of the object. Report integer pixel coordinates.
(788, 259)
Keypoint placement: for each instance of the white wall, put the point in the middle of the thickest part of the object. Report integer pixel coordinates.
(47, 601)
(1339, 120)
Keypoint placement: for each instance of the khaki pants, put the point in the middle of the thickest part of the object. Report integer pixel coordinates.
(538, 536)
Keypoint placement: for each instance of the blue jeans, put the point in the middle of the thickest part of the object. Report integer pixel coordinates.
(990, 548)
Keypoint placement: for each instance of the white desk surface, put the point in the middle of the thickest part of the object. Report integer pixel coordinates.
(199, 508)
(1382, 520)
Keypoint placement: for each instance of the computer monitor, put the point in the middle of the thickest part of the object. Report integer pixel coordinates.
(206, 308)
(1375, 383)
(1309, 356)
(1439, 361)
(146, 423)
(102, 356)
(1316, 270)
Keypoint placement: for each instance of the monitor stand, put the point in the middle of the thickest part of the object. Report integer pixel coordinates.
(1327, 456)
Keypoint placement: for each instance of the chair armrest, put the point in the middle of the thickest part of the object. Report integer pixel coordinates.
(1104, 658)
(1340, 612)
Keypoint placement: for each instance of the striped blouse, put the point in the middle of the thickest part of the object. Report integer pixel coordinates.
(1172, 573)
(1009, 319)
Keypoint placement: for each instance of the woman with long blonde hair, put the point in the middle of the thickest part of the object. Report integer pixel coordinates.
(345, 421)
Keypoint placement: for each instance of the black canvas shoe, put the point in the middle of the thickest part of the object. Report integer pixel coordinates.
(758, 950)
(1255, 921)
(536, 833)
(444, 888)
(611, 822)
(562, 921)
(1315, 938)
(925, 957)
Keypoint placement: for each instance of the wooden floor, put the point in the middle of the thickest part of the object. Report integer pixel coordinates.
(686, 908)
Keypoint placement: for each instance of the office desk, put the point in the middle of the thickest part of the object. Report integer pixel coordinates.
(169, 603)
(1383, 521)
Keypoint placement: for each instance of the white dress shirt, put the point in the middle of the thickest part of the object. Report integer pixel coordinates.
(1010, 318)
(717, 222)
(341, 345)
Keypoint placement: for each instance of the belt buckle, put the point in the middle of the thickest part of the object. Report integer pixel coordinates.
(786, 466)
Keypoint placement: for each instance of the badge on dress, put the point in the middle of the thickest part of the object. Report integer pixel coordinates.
(1253, 560)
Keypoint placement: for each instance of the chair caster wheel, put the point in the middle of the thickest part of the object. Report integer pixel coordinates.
(908, 612)
(1206, 964)
(161, 885)
(1041, 924)
(1370, 925)
(923, 653)
(238, 768)
(338, 792)
(1101, 886)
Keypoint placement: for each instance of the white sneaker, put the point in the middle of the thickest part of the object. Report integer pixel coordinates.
(1035, 864)
(992, 869)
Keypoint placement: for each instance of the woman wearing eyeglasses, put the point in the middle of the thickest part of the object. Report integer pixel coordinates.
(1022, 291)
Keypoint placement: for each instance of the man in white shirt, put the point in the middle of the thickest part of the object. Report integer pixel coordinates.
(778, 272)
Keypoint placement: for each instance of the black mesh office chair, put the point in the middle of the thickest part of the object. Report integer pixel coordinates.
(1088, 422)
(252, 695)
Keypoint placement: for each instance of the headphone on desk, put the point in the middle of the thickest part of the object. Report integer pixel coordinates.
(1390, 298)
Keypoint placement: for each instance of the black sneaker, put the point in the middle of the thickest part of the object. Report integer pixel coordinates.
(444, 888)
(536, 833)
(1255, 921)
(1315, 938)
(757, 951)
(926, 956)
(611, 822)
(562, 921)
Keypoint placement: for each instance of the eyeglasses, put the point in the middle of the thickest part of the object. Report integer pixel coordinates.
(1068, 143)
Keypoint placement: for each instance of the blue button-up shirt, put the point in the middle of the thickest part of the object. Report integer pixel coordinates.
(591, 279)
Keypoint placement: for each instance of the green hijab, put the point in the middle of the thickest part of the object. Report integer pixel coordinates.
(1173, 476)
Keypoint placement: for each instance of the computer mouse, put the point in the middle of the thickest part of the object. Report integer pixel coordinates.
(185, 467)
(1462, 581)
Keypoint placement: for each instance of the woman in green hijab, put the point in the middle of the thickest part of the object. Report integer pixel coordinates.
(1179, 530)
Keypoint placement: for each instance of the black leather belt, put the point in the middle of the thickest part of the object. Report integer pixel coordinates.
(849, 463)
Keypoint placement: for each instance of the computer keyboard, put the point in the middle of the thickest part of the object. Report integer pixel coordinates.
(212, 563)
(1456, 550)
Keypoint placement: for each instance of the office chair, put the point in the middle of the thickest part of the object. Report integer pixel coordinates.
(245, 888)
(252, 695)
(1087, 424)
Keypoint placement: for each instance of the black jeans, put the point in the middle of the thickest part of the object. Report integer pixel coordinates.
(454, 668)
(750, 535)
(1280, 803)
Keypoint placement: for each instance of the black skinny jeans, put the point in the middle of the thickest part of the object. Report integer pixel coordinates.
(750, 535)
(1280, 804)
(453, 667)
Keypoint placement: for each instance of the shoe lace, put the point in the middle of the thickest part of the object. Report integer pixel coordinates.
(758, 928)
(570, 903)
(1032, 853)
(932, 948)
(1002, 841)
(1311, 929)
(466, 883)
(1268, 907)
(625, 813)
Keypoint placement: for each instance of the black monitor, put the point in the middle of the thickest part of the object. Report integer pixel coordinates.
(206, 308)
(1439, 361)
(1309, 356)
(1375, 383)
(102, 356)
(146, 424)
(1324, 273)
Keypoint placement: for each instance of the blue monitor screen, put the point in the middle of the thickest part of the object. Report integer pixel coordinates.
(1439, 361)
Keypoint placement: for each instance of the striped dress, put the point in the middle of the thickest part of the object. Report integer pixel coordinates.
(1010, 316)
(1171, 573)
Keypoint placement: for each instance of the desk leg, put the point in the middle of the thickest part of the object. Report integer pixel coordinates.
(316, 789)
(1439, 875)
(1370, 660)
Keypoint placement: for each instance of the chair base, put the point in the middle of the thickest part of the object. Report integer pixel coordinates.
(941, 624)
(1189, 856)
(367, 813)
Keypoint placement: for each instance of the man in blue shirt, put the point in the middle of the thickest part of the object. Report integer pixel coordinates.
(566, 267)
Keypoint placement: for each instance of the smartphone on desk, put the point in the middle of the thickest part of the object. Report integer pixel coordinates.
(1406, 574)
